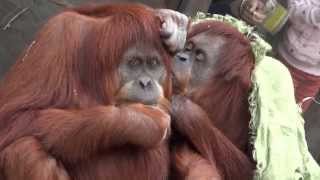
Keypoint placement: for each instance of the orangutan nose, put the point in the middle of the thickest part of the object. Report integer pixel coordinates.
(145, 82)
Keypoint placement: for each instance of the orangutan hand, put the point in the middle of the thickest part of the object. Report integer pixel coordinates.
(150, 120)
(173, 29)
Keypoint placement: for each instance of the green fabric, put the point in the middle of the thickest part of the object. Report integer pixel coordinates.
(277, 127)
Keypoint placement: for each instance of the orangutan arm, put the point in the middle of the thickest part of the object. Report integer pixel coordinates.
(192, 122)
(78, 134)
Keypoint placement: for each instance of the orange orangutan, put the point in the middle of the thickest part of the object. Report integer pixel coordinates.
(88, 99)
(211, 111)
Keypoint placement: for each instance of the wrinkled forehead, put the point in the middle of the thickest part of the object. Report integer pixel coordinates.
(207, 41)
(142, 49)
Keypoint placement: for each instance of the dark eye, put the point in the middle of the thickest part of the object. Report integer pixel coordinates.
(153, 63)
(200, 57)
(134, 62)
(189, 46)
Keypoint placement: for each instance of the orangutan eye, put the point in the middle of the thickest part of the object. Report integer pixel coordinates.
(200, 57)
(134, 62)
(153, 62)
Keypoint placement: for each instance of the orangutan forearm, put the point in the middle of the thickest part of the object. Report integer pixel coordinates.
(78, 134)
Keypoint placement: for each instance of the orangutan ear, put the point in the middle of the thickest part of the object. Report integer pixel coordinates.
(173, 30)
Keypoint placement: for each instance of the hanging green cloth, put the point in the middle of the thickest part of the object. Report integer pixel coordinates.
(277, 127)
